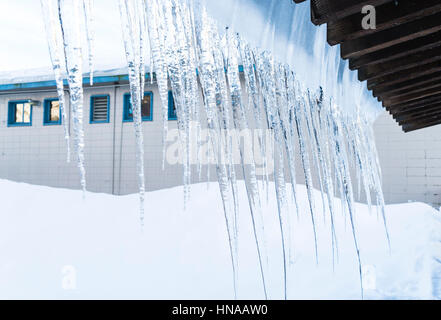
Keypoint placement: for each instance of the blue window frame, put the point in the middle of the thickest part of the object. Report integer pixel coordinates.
(99, 108)
(171, 107)
(51, 112)
(19, 113)
(146, 107)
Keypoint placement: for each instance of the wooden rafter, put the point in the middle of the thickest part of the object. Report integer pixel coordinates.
(400, 59)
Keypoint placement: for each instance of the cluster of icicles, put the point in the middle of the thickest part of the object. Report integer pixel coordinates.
(183, 48)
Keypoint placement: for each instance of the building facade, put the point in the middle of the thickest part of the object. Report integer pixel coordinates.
(33, 148)
(411, 162)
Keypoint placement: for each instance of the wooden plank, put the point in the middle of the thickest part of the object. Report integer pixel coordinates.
(421, 125)
(402, 87)
(411, 97)
(404, 75)
(415, 117)
(390, 37)
(323, 11)
(423, 116)
(382, 69)
(414, 90)
(397, 51)
(402, 111)
(410, 104)
(388, 15)
(403, 115)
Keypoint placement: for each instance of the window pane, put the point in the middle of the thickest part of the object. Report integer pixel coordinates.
(27, 113)
(145, 106)
(54, 111)
(19, 112)
(173, 112)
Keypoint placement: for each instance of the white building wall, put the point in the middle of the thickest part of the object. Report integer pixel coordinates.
(37, 154)
(411, 162)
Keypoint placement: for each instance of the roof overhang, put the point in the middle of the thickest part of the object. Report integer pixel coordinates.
(400, 59)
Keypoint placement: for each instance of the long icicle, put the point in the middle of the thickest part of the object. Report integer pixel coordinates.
(68, 12)
(54, 37)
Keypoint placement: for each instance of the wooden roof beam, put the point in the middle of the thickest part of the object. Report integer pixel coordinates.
(401, 119)
(388, 15)
(402, 112)
(382, 69)
(421, 89)
(421, 125)
(325, 11)
(414, 104)
(387, 38)
(405, 86)
(398, 51)
(414, 90)
(408, 74)
(412, 97)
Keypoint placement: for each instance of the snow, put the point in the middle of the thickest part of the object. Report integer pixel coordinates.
(185, 254)
(184, 39)
(47, 74)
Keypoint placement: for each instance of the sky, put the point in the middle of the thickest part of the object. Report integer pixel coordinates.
(279, 26)
(23, 37)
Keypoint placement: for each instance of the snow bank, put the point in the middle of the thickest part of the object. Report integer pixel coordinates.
(48, 235)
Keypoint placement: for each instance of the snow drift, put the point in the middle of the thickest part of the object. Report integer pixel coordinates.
(46, 233)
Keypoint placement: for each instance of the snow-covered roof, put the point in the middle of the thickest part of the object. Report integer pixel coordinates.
(44, 77)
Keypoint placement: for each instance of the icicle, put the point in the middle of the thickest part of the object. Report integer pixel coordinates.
(130, 21)
(315, 108)
(198, 61)
(311, 131)
(89, 17)
(55, 42)
(342, 160)
(254, 101)
(156, 37)
(208, 72)
(248, 169)
(68, 12)
(268, 78)
(299, 122)
(286, 101)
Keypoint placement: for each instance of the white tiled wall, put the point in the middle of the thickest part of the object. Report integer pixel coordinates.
(411, 162)
(37, 154)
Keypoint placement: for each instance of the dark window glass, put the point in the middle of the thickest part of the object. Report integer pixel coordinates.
(171, 107)
(146, 107)
(54, 111)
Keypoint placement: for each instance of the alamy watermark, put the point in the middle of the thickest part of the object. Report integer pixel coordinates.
(369, 21)
(68, 277)
(237, 147)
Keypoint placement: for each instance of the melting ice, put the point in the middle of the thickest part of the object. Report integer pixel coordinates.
(224, 82)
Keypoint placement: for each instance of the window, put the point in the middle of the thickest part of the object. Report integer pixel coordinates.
(51, 112)
(99, 109)
(146, 107)
(171, 107)
(20, 113)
